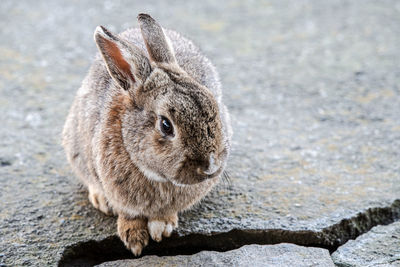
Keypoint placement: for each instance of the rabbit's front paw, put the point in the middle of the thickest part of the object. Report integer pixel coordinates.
(134, 234)
(164, 226)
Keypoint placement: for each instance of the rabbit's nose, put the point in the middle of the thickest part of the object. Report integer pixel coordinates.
(212, 166)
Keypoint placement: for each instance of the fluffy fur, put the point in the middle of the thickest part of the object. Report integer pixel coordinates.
(114, 141)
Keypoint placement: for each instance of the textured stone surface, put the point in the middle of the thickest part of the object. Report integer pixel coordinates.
(378, 247)
(313, 88)
(251, 255)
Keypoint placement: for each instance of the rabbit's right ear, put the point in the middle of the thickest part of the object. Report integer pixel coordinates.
(126, 63)
(157, 44)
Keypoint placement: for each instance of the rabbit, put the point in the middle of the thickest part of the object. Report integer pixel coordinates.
(147, 133)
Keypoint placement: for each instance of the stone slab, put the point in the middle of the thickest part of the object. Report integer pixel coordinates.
(378, 247)
(250, 255)
(313, 88)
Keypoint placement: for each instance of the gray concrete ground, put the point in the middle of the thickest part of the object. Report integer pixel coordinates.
(313, 88)
(378, 247)
(250, 255)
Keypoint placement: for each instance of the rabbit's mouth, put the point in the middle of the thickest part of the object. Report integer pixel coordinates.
(157, 177)
(188, 172)
(191, 181)
(194, 175)
(193, 170)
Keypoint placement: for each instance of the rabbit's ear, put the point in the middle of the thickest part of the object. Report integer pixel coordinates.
(126, 63)
(156, 42)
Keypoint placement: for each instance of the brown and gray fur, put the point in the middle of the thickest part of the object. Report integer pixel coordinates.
(113, 138)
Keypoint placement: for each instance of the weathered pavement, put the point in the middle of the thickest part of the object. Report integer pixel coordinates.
(250, 255)
(378, 247)
(313, 88)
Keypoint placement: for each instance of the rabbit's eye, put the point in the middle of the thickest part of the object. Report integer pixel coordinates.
(166, 126)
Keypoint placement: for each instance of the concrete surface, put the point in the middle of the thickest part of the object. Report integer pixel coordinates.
(313, 88)
(378, 247)
(250, 255)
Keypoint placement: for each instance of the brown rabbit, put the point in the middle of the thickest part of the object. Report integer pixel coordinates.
(147, 133)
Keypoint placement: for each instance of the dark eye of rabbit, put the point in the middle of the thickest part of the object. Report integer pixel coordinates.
(166, 126)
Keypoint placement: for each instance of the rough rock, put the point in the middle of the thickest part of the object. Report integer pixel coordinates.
(250, 255)
(313, 88)
(379, 247)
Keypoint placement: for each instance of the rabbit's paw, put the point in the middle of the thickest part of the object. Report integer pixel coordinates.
(134, 234)
(159, 227)
(98, 200)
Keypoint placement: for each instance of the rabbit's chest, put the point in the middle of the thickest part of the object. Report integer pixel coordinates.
(168, 196)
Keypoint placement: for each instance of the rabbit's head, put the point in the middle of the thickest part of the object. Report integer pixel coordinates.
(171, 124)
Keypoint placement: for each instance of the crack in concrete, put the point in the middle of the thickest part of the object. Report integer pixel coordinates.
(93, 252)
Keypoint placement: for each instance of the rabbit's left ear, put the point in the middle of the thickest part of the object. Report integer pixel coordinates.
(157, 44)
(126, 63)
